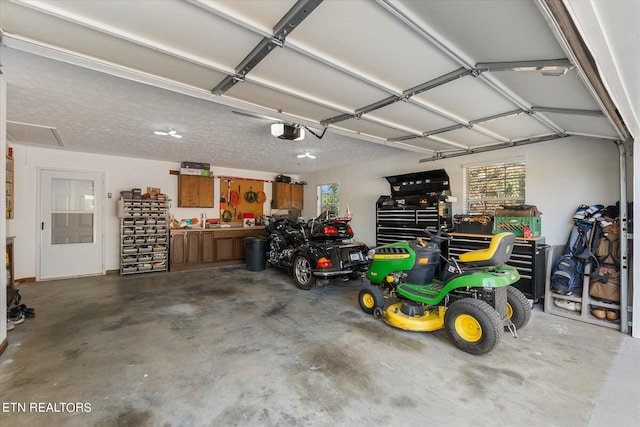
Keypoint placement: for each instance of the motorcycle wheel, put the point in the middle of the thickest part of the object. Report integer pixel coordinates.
(473, 325)
(302, 272)
(370, 299)
(518, 307)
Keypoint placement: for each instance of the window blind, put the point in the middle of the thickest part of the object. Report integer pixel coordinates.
(489, 187)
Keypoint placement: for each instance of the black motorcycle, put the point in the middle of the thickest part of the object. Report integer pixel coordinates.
(316, 251)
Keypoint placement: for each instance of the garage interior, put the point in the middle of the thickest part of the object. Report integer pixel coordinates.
(379, 88)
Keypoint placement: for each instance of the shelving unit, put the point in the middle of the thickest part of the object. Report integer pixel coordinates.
(9, 187)
(144, 236)
(586, 301)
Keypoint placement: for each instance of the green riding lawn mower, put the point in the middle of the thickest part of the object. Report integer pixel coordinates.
(473, 299)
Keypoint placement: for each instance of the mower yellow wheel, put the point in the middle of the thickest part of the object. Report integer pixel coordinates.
(368, 301)
(473, 325)
(509, 311)
(371, 298)
(468, 328)
(518, 307)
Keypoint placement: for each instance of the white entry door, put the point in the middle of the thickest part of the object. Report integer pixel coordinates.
(70, 224)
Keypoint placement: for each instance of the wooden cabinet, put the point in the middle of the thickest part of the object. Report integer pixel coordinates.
(230, 247)
(190, 248)
(225, 249)
(200, 248)
(195, 191)
(287, 196)
(177, 249)
(207, 247)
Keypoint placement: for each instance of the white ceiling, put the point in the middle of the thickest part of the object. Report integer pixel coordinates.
(384, 76)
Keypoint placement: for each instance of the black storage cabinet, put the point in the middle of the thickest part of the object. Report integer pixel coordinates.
(417, 201)
(528, 257)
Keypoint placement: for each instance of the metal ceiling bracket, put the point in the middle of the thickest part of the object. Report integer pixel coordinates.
(592, 113)
(497, 116)
(438, 81)
(443, 130)
(278, 42)
(340, 118)
(298, 13)
(282, 29)
(380, 104)
(466, 152)
(226, 84)
(540, 65)
(406, 138)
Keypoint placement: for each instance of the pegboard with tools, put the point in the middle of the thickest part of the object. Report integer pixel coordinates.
(239, 197)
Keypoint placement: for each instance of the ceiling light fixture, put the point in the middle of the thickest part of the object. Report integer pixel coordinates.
(307, 154)
(172, 133)
(288, 132)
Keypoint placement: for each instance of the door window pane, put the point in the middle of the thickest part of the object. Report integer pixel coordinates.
(72, 211)
(71, 228)
(72, 195)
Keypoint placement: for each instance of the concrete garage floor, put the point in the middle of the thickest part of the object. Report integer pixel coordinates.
(226, 346)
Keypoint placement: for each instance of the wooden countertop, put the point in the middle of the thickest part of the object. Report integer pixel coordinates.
(225, 232)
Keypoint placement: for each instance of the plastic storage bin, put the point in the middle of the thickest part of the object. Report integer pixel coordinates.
(521, 226)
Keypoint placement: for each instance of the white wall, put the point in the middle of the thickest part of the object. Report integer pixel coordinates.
(3, 228)
(561, 175)
(121, 173)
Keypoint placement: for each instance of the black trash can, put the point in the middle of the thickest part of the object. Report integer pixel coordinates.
(255, 253)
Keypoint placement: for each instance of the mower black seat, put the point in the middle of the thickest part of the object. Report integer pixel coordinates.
(498, 252)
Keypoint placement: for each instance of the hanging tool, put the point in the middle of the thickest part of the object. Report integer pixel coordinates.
(250, 196)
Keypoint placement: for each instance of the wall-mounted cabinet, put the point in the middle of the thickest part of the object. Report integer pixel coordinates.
(195, 191)
(287, 196)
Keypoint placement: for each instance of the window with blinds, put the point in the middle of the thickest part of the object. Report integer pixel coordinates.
(491, 186)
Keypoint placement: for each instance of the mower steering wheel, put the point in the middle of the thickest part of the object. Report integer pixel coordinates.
(438, 236)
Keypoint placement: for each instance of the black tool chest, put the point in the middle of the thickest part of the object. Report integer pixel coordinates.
(528, 257)
(417, 201)
(408, 223)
